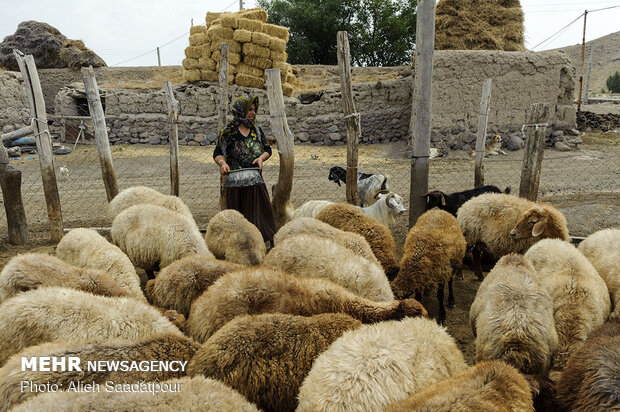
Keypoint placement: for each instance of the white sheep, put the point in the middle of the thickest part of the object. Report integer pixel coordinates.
(145, 195)
(602, 249)
(580, 297)
(230, 236)
(51, 314)
(368, 185)
(376, 365)
(153, 237)
(312, 256)
(512, 317)
(88, 249)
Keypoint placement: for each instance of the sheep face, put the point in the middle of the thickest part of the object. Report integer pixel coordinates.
(394, 202)
(531, 223)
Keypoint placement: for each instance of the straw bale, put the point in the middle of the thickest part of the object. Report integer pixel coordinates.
(290, 78)
(260, 39)
(190, 64)
(205, 50)
(193, 52)
(276, 44)
(283, 66)
(209, 75)
(251, 49)
(282, 77)
(232, 68)
(229, 20)
(256, 61)
(191, 75)
(243, 36)
(221, 32)
(249, 25)
(249, 81)
(197, 29)
(211, 16)
(276, 31)
(216, 22)
(287, 89)
(197, 39)
(257, 14)
(243, 68)
(278, 56)
(233, 58)
(206, 63)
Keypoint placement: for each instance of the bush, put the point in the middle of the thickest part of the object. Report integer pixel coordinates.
(613, 82)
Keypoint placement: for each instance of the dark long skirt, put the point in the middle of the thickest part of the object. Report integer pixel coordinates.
(254, 204)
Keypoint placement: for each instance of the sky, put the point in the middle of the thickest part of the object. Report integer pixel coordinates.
(128, 32)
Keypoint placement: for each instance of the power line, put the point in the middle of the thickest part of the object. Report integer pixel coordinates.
(559, 31)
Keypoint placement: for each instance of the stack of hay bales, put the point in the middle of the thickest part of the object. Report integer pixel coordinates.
(253, 46)
(479, 25)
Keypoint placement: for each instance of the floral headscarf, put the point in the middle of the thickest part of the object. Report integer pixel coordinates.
(240, 108)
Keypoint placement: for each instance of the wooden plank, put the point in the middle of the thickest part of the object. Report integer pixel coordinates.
(16, 134)
(422, 99)
(173, 117)
(535, 128)
(351, 117)
(11, 183)
(285, 142)
(223, 109)
(101, 132)
(483, 117)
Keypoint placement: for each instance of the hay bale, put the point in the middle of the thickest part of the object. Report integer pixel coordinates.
(243, 68)
(191, 75)
(278, 56)
(211, 17)
(193, 52)
(197, 39)
(233, 58)
(190, 64)
(260, 39)
(221, 33)
(290, 78)
(209, 76)
(205, 50)
(206, 63)
(249, 81)
(232, 68)
(256, 61)
(229, 20)
(243, 36)
(256, 14)
(197, 29)
(287, 89)
(251, 49)
(480, 25)
(283, 66)
(233, 46)
(249, 25)
(276, 44)
(276, 31)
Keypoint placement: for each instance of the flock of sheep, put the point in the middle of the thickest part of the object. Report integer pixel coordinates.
(327, 320)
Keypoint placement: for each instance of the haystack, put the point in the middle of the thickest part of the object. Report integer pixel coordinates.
(479, 25)
(254, 46)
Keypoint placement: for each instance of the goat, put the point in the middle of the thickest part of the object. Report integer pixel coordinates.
(452, 202)
(368, 185)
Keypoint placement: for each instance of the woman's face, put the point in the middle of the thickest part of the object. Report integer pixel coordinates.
(251, 113)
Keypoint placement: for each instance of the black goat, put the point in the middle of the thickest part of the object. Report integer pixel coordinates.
(452, 202)
(339, 174)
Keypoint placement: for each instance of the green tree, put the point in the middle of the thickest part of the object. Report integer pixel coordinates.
(613, 82)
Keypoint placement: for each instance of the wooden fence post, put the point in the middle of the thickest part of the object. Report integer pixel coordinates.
(101, 132)
(11, 183)
(285, 142)
(423, 87)
(352, 119)
(223, 109)
(483, 117)
(535, 128)
(43, 140)
(173, 118)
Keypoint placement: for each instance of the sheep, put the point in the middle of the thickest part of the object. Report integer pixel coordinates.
(309, 226)
(312, 256)
(50, 314)
(503, 224)
(145, 195)
(452, 202)
(580, 297)
(153, 237)
(184, 394)
(311, 208)
(590, 380)
(266, 357)
(433, 252)
(512, 317)
(160, 347)
(88, 249)
(376, 365)
(602, 249)
(486, 386)
(181, 282)
(263, 290)
(232, 237)
(346, 217)
(33, 270)
(368, 185)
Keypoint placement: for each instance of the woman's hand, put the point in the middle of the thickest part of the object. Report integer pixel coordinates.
(260, 159)
(224, 168)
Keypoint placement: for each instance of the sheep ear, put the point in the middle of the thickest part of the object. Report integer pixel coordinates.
(539, 227)
(443, 200)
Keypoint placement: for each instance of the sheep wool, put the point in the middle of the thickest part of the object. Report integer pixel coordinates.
(41, 315)
(312, 256)
(512, 317)
(232, 237)
(263, 290)
(180, 283)
(580, 297)
(142, 194)
(266, 357)
(486, 386)
(374, 366)
(34, 270)
(88, 249)
(161, 347)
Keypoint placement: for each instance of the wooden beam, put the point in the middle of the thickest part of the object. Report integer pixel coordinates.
(351, 116)
(11, 183)
(16, 134)
(173, 118)
(101, 132)
(535, 128)
(483, 117)
(223, 109)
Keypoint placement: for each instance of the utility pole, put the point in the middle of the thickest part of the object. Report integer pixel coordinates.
(583, 52)
(158, 58)
(589, 71)
(240, 5)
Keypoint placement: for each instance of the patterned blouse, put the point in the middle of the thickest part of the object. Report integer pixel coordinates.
(239, 150)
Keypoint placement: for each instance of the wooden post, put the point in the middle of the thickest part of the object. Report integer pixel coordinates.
(483, 117)
(351, 116)
(223, 109)
(535, 128)
(285, 142)
(43, 140)
(587, 92)
(101, 132)
(158, 58)
(173, 117)
(422, 95)
(583, 52)
(11, 183)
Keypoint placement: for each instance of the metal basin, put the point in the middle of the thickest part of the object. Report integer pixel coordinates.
(243, 178)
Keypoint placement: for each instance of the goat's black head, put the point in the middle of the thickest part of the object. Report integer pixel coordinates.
(337, 174)
(435, 198)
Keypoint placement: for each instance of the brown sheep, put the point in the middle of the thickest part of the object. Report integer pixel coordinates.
(263, 290)
(266, 357)
(230, 236)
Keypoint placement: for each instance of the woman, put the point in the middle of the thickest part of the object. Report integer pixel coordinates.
(242, 144)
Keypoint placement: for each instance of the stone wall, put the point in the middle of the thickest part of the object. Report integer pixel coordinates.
(14, 112)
